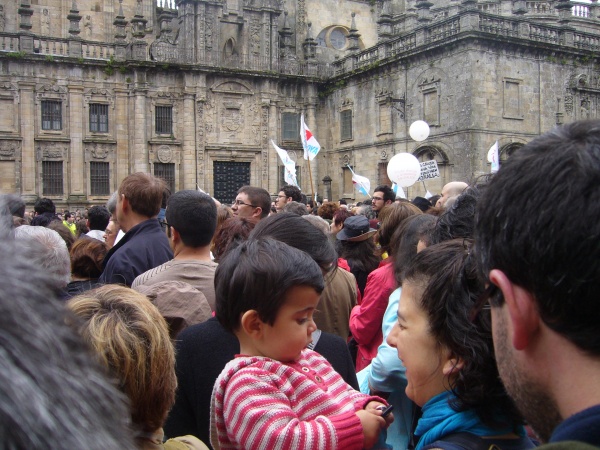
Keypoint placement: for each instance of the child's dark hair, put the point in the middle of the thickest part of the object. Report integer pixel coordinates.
(257, 275)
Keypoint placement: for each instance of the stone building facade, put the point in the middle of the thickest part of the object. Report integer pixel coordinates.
(194, 90)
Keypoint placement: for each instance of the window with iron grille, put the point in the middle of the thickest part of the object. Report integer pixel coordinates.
(99, 178)
(98, 118)
(52, 177)
(164, 119)
(290, 127)
(346, 125)
(167, 173)
(51, 115)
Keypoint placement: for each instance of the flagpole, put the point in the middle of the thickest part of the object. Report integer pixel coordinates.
(311, 181)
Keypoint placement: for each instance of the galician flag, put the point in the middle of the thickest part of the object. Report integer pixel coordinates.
(493, 157)
(290, 166)
(309, 143)
(362, 183)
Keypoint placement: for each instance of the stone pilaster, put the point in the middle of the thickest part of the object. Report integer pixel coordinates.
(27, 127)
(187, 167)
(123, 137)
(77, 124)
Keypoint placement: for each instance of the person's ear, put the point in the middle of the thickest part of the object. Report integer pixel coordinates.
(175, 236)
(251, 324)
(124, 203)
(522, 309)
(453, 365)
(257, 212)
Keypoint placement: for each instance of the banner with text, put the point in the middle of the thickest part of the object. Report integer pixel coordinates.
(429, 170)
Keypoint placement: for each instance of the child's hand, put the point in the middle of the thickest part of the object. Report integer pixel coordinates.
(376, 408)
(372, 425)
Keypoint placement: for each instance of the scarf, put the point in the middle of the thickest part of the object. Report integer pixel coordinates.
(439, 420)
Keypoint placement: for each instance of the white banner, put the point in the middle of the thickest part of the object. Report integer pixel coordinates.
(429, 170)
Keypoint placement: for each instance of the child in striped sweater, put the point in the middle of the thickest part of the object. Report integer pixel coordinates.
(277, 393)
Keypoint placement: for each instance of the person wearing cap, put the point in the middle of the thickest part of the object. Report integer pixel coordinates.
(356, 246)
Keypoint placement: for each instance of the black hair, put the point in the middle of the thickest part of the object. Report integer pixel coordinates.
(194, 215)
(43, 205)
(538, 221)
(258, 197)
(299, 233)
(292, 191)
(98, 217)
(388, 193)
(405, 241)
(458, 221)
(447, 274)
(256, 275)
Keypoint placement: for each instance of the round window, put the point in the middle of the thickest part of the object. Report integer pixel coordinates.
(337, 39)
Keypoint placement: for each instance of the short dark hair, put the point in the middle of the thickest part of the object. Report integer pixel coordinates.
(194, 215)
(43, 205)
(144, 192)
(388, 193)
(15, 204)
(450, 288)
(98, 217)
(458, 221)
(298, 233)
(292, 191)
(522, 228)
(264, 270)
(67, 214)
(258, 197)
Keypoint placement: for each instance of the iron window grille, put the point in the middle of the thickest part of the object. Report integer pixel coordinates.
(98, 118)
(100, 178)
(166, 171)
(164, 119)
(51, 115)
(290, 130)
(52, 177)
(346, 125)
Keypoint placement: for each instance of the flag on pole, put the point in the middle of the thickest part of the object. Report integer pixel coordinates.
(493, 157)
(362, 183)
(309, 143)
(289, 165)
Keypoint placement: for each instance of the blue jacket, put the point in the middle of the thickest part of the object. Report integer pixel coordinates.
(143, 247)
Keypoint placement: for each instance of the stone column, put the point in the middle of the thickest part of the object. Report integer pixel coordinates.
(138, 152)
(272, 181)
(27, 126)
(122, 110)
(311, 122)
(187, 168)
(77, 123)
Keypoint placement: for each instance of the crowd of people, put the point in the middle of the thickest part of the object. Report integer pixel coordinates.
(170, 321)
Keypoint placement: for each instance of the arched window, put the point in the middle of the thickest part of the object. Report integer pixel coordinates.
(508, 150)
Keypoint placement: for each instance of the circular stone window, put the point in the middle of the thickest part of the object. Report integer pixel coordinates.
(338, 39)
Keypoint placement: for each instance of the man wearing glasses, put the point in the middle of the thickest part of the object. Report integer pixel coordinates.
(538, 247)
(252, 203)
(382, 196)
(287, 194)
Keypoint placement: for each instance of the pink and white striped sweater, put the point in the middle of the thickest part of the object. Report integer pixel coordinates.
(260, 403)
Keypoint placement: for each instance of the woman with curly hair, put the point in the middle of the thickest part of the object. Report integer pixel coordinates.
(448, 354)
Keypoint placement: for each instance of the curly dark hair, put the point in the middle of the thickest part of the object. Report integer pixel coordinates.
(327, 210)
(448, 275)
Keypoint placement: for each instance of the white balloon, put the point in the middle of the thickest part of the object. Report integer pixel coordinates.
(404, 169)
(419, 130)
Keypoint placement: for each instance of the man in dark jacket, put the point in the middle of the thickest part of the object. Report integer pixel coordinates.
(145, 244)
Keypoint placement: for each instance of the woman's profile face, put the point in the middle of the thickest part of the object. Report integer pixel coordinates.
(418, 350)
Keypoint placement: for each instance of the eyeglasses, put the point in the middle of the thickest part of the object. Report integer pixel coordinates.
(375, 199)
(483, 301)
(240, 203)
(282, 196)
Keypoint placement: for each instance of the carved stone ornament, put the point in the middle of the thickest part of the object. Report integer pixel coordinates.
(384, 155)
(346, 160)
(8, 149)
(98, 151)
(53, 151)
(164, 154)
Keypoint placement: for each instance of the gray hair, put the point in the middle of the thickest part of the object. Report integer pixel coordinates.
(111, 204)
(296, 208)
(54, 394)
(48, 250)
(318, 222)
